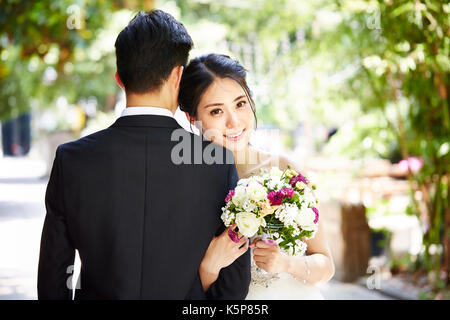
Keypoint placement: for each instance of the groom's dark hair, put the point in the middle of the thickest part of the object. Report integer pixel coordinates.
(148, 48)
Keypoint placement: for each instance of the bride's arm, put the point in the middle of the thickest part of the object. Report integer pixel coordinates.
(317, 265)
(318, 259)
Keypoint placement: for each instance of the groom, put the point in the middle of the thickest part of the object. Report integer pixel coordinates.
(140, 222)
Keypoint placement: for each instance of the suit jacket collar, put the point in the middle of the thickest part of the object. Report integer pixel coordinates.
(146, 121)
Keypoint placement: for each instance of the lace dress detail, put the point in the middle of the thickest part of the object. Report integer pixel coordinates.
(280, 286)
(260, 277)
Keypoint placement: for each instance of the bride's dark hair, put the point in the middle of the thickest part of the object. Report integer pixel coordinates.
(201, 72)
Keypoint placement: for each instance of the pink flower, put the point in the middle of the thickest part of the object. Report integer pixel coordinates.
(287, 192)
(275, 198)
(317, 215)
(229, 196)
(233, 236)
(413, 163)
(298, 178)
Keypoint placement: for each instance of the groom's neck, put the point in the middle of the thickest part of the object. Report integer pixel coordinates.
(157, 99)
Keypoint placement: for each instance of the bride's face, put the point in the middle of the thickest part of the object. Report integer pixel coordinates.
(225, 114)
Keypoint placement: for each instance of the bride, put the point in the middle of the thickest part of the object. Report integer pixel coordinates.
(215, 97)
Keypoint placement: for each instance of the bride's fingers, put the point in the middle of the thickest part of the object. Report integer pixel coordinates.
(262, 265)
(253, 244)
(244, 248)
(260, 252)
(242, 241)
(265, 244)
(259, 258)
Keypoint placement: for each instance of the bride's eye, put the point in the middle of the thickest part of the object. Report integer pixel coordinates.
(241, 103)
(215, 112)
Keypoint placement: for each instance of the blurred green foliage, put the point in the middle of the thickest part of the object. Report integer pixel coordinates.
(57, 48)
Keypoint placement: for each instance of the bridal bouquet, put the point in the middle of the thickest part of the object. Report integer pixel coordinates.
(277, 205)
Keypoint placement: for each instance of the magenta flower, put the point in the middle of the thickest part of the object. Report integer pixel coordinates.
(275, 198)
(287, 192)
(298, 178)
(317, 215)
(233, 236)
(229, 196)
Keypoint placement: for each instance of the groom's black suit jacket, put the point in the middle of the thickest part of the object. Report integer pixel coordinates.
(140, 222)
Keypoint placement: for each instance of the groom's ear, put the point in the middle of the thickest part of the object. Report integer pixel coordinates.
(177, 73)
(119, 82)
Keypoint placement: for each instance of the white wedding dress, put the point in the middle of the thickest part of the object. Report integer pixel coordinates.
(280, 286)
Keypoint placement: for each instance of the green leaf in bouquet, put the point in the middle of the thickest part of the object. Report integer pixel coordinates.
(282, 175)
(305, 233)
(261, 230)
(283, 243)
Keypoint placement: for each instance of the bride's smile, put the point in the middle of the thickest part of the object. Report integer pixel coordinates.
(235, 136)
(225, 114)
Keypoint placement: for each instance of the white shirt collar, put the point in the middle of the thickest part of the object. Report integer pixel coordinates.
(132, 111)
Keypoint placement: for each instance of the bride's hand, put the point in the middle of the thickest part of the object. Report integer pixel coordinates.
(267, 256)
(222, 251)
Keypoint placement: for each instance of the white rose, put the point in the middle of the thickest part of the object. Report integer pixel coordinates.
(262, 222)
(309, 197)
(239, 196)
(243, 182)
(256, 191)
(249, 206)
(247, 223)
(305, 218)
(272, 184)
(275, 172)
